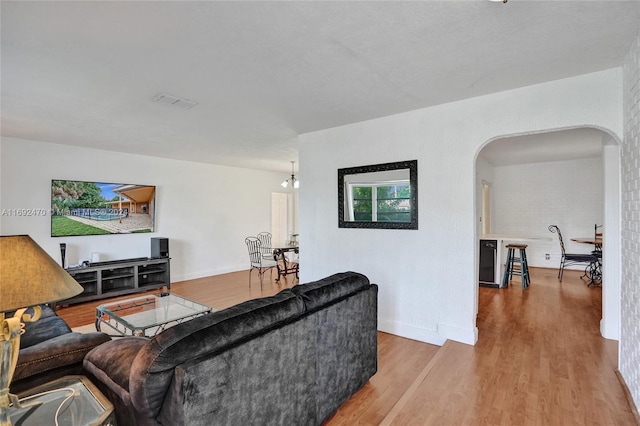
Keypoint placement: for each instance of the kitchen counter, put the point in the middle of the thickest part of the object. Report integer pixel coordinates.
(498, 262)
(511, 237)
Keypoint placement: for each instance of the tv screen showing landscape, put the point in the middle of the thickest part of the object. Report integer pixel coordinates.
(101, 208)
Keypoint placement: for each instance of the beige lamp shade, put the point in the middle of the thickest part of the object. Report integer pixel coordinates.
(29, 276)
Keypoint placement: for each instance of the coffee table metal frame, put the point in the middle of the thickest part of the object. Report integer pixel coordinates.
(148, 315)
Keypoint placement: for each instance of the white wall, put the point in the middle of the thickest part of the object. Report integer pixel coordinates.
(629, 351)
(530, 197)
(611, 244)
(427, 277)
(206, 211)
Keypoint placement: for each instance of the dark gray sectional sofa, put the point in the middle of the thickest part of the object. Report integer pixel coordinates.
(50, 350)
(289, 359)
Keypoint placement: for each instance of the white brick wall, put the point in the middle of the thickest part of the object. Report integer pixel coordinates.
(530, 197)
(630, 186)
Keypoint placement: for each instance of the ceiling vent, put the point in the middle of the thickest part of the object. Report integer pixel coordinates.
(165, 98)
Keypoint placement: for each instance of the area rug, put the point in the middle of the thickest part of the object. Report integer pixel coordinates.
(89, 328)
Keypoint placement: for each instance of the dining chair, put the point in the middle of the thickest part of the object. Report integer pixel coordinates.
(598, 236)
(568, 259)
(597, 233)
(257, 259)
(265, 245)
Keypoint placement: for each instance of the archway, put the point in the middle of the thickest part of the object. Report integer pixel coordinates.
(577, 145)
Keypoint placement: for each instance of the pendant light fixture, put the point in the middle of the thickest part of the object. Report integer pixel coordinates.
(294, 182)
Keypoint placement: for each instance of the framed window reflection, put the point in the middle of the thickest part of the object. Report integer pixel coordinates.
(379, 196)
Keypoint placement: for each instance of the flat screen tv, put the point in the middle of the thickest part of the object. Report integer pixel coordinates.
(101, 208)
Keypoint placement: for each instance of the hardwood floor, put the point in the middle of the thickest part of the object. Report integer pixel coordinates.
(539, 360)
(219, 292)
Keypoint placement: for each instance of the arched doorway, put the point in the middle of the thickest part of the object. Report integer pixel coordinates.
(576, 149)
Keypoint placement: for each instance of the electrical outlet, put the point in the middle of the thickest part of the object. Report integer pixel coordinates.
(546, 256)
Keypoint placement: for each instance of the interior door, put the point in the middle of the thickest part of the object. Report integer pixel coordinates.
(279, 217)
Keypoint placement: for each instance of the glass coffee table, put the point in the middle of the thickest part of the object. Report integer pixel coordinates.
(147, 315)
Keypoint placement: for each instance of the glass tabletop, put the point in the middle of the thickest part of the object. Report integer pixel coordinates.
(284, 245)
(152, 310)
(71, 400)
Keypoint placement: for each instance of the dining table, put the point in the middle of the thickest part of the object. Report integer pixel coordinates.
(597, 242)
(286, 266)
(594, 270)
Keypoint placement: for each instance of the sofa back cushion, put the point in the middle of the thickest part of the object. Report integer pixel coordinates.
(208, 335)
(267, 380)
(346, 337)
(47, 327)
(331, 289)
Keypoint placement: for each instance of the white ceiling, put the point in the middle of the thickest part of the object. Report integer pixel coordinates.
(84, 73)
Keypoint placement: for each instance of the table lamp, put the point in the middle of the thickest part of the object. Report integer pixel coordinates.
(29, 277)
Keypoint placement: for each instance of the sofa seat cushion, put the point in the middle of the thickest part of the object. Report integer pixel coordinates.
(153, 369)
(330, 289)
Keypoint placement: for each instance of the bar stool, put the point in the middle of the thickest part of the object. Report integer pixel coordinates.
(523, 269)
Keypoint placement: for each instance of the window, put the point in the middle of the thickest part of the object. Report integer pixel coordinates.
(380, 201)
(379, 196)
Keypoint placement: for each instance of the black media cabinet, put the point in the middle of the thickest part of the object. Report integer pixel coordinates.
(117, 277)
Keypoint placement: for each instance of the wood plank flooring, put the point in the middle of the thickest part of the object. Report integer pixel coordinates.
(219, 292)
(540, 359)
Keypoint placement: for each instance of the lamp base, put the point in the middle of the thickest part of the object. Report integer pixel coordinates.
(5, 415)
(10, 331)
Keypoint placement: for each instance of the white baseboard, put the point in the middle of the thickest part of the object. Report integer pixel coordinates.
(444, 333)
(411, 332)
(462, 335)
(208, 273)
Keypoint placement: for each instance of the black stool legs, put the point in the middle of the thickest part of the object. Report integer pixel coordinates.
(510, 270)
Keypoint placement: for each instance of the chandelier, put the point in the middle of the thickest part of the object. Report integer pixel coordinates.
(294, 182)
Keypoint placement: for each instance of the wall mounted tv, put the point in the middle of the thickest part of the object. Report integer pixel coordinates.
(100, 208)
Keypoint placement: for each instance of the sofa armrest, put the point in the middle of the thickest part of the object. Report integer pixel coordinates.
(53, 354)
(111, 363)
